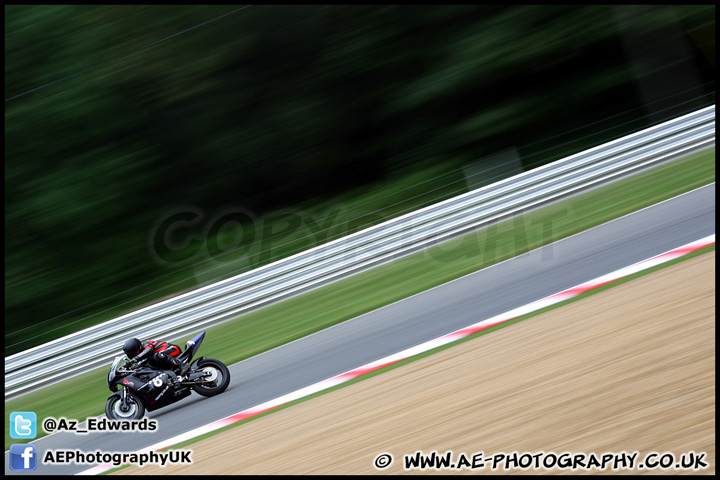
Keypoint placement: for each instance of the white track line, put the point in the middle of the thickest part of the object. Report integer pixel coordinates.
(424, 347)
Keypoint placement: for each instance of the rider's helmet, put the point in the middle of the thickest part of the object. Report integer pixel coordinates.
(132, 347)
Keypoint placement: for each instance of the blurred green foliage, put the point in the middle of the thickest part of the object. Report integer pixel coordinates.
(277, 107)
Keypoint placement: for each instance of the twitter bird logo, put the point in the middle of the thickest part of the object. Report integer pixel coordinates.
(23, 425)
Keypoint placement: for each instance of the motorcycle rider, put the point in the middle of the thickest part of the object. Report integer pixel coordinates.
(159, 354)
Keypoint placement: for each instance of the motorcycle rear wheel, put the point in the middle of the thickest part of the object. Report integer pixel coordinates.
(219, 374)
(113, 409)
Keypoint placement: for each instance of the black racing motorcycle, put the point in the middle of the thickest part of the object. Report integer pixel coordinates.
(140, 387)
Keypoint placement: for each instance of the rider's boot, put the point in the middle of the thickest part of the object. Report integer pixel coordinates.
(181, 367)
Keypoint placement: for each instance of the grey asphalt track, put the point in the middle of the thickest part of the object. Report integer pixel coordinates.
(416, 319)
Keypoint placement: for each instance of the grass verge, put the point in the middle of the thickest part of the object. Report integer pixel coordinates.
(275, 325)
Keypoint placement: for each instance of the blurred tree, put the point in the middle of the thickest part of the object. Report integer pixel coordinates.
(273, 106)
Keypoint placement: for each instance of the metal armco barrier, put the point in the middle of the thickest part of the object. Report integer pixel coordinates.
(227, 299)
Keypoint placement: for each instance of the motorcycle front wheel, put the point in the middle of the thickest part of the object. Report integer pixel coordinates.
(217, 377)
(135, 409)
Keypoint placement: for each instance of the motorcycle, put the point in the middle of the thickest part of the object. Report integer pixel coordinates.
(139, 387)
